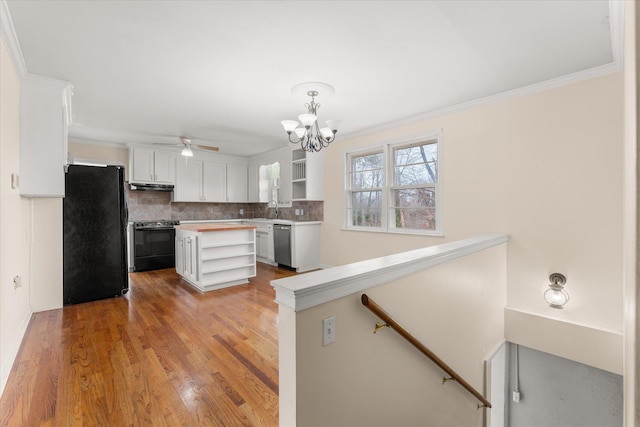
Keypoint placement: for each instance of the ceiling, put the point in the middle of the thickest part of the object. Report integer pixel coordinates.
(222, 71)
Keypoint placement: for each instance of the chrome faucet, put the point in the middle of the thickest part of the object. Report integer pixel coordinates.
(274, 204)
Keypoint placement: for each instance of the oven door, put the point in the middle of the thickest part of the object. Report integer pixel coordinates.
(154, 248)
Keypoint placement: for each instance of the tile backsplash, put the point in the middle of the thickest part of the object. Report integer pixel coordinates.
(157, 205)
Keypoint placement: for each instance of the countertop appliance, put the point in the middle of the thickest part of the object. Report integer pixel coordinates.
(282, 244)
(94, 234)
(154, 244)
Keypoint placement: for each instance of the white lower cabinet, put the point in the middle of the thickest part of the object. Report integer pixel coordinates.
(210, 260)
(264, 241)
(305, 246)
(187, 255)
(305, 243)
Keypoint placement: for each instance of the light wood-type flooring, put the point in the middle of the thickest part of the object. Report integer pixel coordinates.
(162, 355)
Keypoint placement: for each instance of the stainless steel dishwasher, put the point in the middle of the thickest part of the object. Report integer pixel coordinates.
(282, 244)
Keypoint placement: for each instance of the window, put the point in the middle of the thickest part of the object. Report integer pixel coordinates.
(395, 188)
(367, 182)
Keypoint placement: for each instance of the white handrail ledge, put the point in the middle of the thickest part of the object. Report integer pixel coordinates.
(308, 290)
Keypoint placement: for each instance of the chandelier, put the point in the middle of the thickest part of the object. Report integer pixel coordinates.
(311, 136)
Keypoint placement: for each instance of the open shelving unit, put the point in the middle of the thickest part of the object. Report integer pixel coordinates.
(299, 174)
(224, 258)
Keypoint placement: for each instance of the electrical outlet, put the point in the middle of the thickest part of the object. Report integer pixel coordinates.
(241, 211)
(516, 396)
(328, 330)
(298, 212)
(301, 211)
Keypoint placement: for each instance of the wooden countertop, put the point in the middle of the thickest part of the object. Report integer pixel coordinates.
(212, 226)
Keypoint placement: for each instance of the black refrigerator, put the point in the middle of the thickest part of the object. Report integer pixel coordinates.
(95, 217)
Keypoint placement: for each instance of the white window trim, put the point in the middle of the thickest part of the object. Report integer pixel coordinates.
(386, 149)
(346, 202)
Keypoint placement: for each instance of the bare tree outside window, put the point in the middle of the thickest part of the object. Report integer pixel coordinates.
(395, 188)
(415, 173)
(367, 181)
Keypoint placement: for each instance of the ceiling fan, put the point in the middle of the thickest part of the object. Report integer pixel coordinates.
(188, 146)
(188, 152)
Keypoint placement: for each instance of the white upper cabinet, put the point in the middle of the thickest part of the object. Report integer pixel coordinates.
(151, 167)
(163, 167)
(214, 182)
(200, 181)
(307, 175)
(237, 183)
(285, 190)
(253, 182)
(188, 186)
(45, 114)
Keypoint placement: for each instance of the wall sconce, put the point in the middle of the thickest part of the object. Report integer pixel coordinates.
(556, 296)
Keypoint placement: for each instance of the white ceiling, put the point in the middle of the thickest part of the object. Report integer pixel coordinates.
(222, 71)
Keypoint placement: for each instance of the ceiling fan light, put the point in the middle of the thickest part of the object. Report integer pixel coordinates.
(289, 125)
(187, 152)
(307, 119)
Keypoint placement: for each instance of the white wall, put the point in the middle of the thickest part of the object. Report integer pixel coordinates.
(371, 380)
(15, 224)
(46, 254)
(100, 151)
(546, 168)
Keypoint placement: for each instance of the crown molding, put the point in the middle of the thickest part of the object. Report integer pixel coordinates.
(616, 25)
(8, 32)
(515, 93)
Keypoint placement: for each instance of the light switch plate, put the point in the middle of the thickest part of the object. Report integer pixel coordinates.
(328, 330)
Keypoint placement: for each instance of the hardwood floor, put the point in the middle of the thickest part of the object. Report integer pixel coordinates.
(162, 355)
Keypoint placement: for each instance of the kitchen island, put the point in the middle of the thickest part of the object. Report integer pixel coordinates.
(212, 256)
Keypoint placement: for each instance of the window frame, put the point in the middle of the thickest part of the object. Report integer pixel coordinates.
(349, 191)
(387, 219)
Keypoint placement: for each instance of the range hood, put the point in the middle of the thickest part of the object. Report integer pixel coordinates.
(151, 187)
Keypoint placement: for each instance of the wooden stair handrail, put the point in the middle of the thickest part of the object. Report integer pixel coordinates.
(383, 315)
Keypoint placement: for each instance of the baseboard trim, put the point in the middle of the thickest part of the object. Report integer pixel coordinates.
(11, 359)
